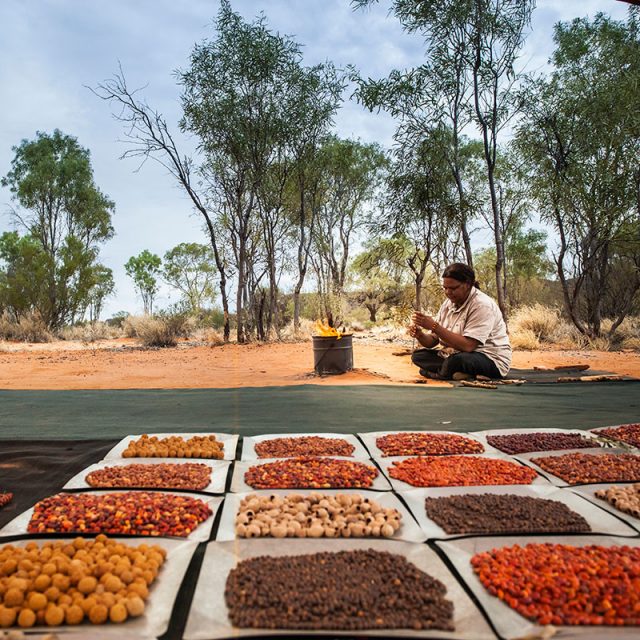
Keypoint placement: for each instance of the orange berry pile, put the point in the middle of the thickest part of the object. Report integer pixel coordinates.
(629, 433)
(5, 498)
(565, 585)
(450, 471)
(310, 473)
(579, 468)
(67, 582)
(426, 444)
(303, 446)
(134, 512)
(174, 447)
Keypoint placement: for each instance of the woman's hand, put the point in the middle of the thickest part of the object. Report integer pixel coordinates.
(413, 330)
(423, 320)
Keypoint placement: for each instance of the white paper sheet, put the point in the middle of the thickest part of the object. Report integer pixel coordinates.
(370, 437)
(202, 533)
(510, 624)
(588, 491)
(409, 530)
(599, 521)
(482, 435)
(162, 595)
(238, 485)
(219, 471)
(399, 485)
(208, 619)
(526, 458)
(230, 442)
(249, 443)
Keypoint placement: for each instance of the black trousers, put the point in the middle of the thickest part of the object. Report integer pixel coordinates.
(473, 363)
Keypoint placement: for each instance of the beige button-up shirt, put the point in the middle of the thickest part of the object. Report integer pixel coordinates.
(479, 318)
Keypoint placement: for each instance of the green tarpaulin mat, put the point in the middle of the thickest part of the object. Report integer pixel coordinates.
(113, 414)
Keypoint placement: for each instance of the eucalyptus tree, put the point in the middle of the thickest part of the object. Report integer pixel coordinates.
(144, 269)
(581, 137)
(64, 216)
(189, 267)
(476, 44)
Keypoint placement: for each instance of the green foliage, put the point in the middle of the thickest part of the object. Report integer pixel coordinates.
(53, 268)
(190, 268)
(143, 269)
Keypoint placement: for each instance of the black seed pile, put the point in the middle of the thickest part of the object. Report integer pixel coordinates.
(344, 590)
(493, 513)
(540, 441)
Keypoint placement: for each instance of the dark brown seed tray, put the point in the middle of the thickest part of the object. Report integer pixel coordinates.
(514, 443)
(345, 590)
(503, 513)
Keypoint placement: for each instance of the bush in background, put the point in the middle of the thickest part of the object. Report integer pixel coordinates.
(29, 328)
(89, 332)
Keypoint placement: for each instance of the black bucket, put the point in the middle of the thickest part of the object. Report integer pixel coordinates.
(332, 355)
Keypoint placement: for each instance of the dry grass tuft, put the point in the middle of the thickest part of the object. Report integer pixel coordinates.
(524, 339)
(305, 331)
(543, 322)
(210, 336)
(29, 328)
(89, 332)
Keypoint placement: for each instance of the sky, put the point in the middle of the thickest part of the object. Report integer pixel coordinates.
(52, 51)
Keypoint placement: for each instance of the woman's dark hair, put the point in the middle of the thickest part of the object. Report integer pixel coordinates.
(462, 273)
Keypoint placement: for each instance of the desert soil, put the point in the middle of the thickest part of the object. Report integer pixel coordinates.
(120, 364)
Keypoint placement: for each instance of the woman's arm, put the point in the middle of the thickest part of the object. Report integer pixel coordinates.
(448, 338)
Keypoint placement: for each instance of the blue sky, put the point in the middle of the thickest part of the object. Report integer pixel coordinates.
(51, 50)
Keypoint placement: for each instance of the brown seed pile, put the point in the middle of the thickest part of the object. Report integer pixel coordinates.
(5, 498)
(509, 513)
(68, 581)
(174, 447)
(311, 473)
(346, 590)
(303, 446)
(426, 444)
(580, 468)
(188, 475)
(626, 499)
(629, 433)
(315, 515)
(540, 441)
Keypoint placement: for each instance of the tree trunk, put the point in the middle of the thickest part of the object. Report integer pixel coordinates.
(372, 311)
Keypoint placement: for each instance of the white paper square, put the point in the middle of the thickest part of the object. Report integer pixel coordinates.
(370, 438)
(249, 443)
(230, 442)
(598, 520)
(202, 533)
(588, 491)
(409, 530)
(208, 618)
(482, 436)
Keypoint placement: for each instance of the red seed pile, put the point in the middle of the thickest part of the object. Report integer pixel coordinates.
(189, 475)
(303, 446)
(625, 499)
(134, 512)
(345, 590)
(433, 471)
(565, 585)
(581, 468)
(311, 473)
(540, 441)
(174, 447)
(426, 444)
(5, 498)
(503, 513)
(71, 581)
(629, 433)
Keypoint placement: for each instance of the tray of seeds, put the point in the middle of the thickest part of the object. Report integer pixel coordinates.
(383, 444)
(214, 446)
(208, 476)
(342, 587)
(346, 513)
(516, 441)
(451, 512)
(585, 586)
(585, 466)
(307, 473)
(622, 500)
(407, 473)
(145, 513)
(628, 434)
(110, 587)
(293, 445)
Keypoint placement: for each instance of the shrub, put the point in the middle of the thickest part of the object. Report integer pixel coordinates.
(524, 339)
(631, 343)
(29, 328)
(212, 337)
(156, 332)
(89, 332)
(288, 334)
(543, 322)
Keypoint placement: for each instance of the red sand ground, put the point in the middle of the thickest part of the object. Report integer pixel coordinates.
(118, 364)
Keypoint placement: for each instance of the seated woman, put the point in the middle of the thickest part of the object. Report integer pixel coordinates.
(469, 327)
